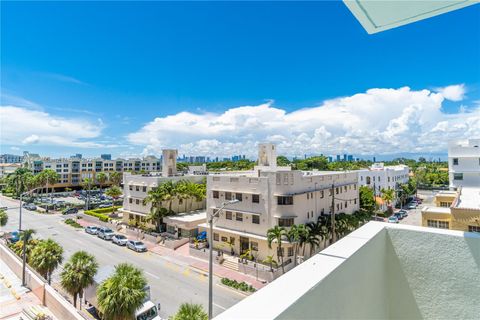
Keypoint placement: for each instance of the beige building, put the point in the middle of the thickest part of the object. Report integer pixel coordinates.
(7, 168)
(456, 210)
(271, 195)
(137, 186)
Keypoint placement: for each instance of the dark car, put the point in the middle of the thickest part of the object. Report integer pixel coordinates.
(70, 211)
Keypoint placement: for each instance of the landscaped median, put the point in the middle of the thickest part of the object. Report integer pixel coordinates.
(240, 286)
(73, 223)
(101, 214)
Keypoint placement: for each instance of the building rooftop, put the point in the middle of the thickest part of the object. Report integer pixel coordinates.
(444, 210)
(191, 216)
(380, 271)
(468, 198)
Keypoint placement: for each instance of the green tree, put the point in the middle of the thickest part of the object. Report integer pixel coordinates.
(388, 195)
(190, 311)
(101, 179)
(156, 198)
(120, 295)
(277, 234)
(18, 179)
(271, 262)
(294, 236)
(3, 218)
(78, 274)
(116, 178)
(46, 257)
(113, 192)
(316, 232)
(87, 185)
(49, 177)
(367, 200)
(283, 161)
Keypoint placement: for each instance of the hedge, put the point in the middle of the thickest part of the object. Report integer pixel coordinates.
(73, 223)
(99, 213)
(243, 286)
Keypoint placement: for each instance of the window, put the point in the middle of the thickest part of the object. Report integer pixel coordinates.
(130, 200)
(458, 176)
(232, 240)
(455, 161)
(308, 195)
(215, 194)
(238, 196)
(336, 190)
(228, 196)
(290, 251)
(281, 201)
(137, 188)
(473, 228)
(285, 222)
(239, 216)
(255, 198)
(354, 187)
(345, 188)
(355, 201)
(228, 215)
(224, 239)
(254, 246)
(215, 237)
(255, 219)
(388, 179)
(445, 204)
(144, 189)
(323, 211)
(321, 194)
(438, 224)
(137, 201)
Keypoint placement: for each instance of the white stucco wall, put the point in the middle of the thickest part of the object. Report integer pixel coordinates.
(380, 271)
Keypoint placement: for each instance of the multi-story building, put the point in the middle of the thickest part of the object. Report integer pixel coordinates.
(10, 158)
(270, 196)
(137, 186)
(72, 171)
(379, 177)
(7, 168)
(464, 163)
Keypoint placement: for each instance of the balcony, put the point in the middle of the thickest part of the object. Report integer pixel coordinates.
(380, 271)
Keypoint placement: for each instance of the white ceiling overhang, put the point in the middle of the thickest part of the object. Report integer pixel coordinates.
(380, 15)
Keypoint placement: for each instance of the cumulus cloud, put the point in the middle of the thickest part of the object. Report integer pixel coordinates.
(454, 92)
(25, 126)
(380, 121)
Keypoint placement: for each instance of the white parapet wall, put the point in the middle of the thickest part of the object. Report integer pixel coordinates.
(380, 271)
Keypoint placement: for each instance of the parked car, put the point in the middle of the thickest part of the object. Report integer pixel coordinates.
(70, 211)
(137, 246)
(393, 219)
(404, 213)
(13, 236)
(30, 206)
(376, 218)
(91, 230)
(105, 205)
(120, 239)
(105, 233)
(398, 215)
(412, 206)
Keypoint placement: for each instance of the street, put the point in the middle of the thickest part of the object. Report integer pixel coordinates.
(172, 283)
(414, 217)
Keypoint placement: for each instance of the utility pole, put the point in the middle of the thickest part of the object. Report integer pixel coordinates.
(332, 218)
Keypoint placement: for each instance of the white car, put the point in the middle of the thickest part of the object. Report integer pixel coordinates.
(120, 239)
(91, 230)
(105, 233)
(137, 246)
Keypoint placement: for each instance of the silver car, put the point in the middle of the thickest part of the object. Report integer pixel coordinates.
(105, 233)
(91, 230)
(137, 246)
(120, 239)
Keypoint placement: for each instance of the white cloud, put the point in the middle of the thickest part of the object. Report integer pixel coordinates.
(379, 121)
(454, 92)
(24, 126)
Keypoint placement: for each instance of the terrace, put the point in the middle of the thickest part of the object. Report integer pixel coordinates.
(380, 271)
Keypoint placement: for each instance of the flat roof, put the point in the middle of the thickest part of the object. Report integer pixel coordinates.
(188, 216)
(441, 210)
(469, 198)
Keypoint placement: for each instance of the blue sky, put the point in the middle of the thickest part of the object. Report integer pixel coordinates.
(99, 74)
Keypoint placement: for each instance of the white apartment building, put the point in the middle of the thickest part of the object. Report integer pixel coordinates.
(137, 186)
(271, 195)
(7, 168)
(379, 177)
(72, 171)
(464, 163)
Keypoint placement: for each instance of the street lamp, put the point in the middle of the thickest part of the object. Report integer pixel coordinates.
(210, 257)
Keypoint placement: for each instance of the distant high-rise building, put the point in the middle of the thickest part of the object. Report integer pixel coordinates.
(344, 157)
(76, 156)
(338, 157)
(10, 158)
(104, 156)
(330, 159)
(374, 160)
(350, 157)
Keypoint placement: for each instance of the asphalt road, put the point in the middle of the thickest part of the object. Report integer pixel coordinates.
(171, 283)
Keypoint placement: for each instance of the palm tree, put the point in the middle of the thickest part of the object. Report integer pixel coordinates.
(316, 232)
(190, 311)
(87, 185)
(388, 195)
(156, 197)
(101, 179)
(271, 262)
(170, 193)
(46, 257)
(120, 295)
(276, 234)
(113, 192)
(116, 178)
(294, 236)
(3, 218)
(78, 274)
(18, 180)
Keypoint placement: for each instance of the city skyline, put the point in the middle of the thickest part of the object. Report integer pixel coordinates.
(259, 89)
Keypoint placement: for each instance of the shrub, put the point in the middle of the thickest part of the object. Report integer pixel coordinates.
(73, 223)
(243, 286)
